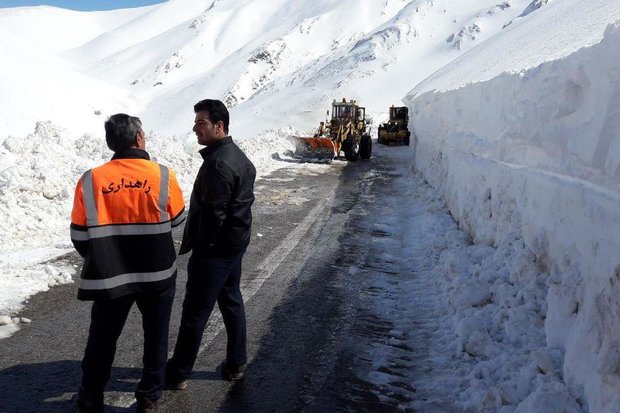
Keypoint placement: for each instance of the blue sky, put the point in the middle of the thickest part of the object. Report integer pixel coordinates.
(87, 5)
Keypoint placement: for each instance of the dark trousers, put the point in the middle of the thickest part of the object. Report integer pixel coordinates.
(107, 320)
(210, 280)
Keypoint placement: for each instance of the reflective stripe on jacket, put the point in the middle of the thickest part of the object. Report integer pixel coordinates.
(121, 223)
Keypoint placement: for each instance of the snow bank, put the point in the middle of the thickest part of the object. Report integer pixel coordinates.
(498, 309)
(532, 155)
(475, 314)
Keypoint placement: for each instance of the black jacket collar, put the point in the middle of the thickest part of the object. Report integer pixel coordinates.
(132, 154)
(204, 152)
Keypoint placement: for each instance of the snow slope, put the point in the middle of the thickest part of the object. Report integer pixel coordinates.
(257, 55)
(60, 29)
(37, 84)
(523, 143)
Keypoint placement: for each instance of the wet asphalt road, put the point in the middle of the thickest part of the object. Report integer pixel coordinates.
(306, 296)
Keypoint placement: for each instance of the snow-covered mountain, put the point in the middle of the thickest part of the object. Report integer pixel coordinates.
(515, 105)
(274, 62)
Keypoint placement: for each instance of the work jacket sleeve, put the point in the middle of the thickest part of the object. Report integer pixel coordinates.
(217, 195)
(176, 203)
(79, 229)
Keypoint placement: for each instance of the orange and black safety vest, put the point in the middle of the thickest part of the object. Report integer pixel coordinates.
(121, 223)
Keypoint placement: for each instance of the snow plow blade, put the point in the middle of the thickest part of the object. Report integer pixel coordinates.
(314, 149)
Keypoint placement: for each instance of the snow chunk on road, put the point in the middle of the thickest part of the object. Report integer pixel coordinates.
(8, 330)
(472, 293)
(554, 398)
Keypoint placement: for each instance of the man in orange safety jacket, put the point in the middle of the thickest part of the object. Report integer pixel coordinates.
(121, 223)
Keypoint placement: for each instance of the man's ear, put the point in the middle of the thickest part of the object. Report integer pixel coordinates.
(140, 137)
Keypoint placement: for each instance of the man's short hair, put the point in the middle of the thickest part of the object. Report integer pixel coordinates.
(121, 130)
(216, 109)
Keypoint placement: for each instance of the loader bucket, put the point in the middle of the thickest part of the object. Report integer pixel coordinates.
(314, 149)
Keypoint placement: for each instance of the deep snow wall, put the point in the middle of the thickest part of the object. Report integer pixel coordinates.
(535, 156)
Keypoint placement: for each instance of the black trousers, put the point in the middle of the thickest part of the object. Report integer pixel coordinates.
(210, 280)
(107, 320)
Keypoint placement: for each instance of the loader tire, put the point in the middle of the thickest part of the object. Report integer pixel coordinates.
(366, 147)
(352, 150)
(407, 138)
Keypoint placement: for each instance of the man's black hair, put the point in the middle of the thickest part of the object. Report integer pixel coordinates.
(121, 130)
(216, 109)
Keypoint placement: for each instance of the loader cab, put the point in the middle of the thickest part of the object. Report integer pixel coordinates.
(349, 112)
(399, 114)
(342, 111)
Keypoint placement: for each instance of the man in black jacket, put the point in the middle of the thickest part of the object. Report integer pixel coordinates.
(217, 232)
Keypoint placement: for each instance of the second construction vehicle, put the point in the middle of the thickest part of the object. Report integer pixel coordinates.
(347, 131)
(396, 129)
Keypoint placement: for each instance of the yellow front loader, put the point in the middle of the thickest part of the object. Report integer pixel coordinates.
(396, 130)
(346, 132)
